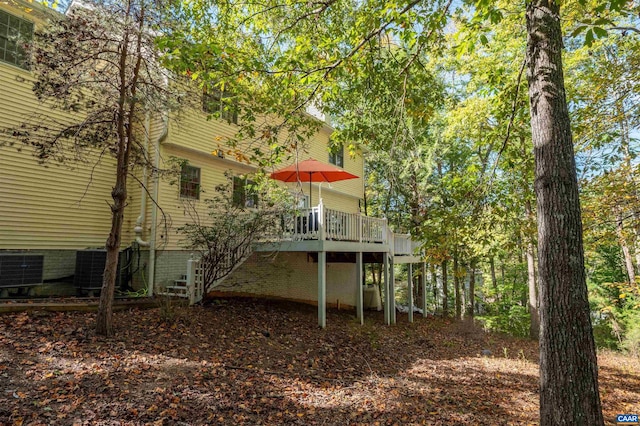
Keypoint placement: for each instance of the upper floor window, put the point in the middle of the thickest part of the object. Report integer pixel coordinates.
(220, 103)
(244, 193)
(15, 34)
(336, 156)
(190, 182)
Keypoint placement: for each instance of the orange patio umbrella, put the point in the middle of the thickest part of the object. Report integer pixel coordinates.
(312, 171)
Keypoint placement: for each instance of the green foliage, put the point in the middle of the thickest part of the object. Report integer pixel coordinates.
(225, 234)
(514, 321)
(631, 341)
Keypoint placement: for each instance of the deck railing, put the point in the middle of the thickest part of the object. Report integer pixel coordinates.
(315, 223)
(321, 223)
(402, 244)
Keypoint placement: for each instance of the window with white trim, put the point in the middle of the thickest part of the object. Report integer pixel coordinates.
(15, 35)
(336, 156)
(190, 182)
(244, 193)
(220, 103)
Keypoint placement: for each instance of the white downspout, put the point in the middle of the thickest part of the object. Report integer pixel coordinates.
(154, 210)
(143, 205)
(320, 189)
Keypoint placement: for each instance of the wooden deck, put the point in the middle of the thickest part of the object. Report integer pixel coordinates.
(320, 228)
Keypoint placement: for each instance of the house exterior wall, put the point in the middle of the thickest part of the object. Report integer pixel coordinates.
(57, 209)
(291, 275)
(196, 139)
(52, 209)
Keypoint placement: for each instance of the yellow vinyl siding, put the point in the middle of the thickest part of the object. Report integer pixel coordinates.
(193, 138)
(52, 207)
(205, 136)
(212, 173)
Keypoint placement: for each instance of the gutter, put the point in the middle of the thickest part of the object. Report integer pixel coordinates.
(143, 203)
(154, 211)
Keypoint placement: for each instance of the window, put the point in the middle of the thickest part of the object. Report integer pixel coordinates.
(244, 193)
(190, 182)
(15, 34)
(221, 104)
(336, 156)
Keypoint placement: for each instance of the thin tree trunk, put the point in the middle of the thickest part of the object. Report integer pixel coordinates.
(626, 253)
(445, 290)
(494, 280)
(569, 392)
(456, 287)
(125, 128)
(104, 319)
(434, 284)
(373, 273)
(623, 122)
(534, 328)
(417, 290)
(637, 245)
(471, 305)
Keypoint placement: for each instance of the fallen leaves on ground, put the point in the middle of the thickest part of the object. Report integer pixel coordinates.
(257, 362)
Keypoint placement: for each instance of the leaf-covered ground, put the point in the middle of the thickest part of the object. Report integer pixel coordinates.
(263, 362)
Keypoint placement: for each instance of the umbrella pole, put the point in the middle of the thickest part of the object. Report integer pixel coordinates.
(310, 205)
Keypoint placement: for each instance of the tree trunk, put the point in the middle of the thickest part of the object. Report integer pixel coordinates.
(494, 280)
(125, 129)
(456, 287)
(434, 283)
(417, 289)
(471, 305)
(637, 245)
(534, 328)
(445, 290)
(104, 320)
(568, 366)
(373, 273)
(626, 253)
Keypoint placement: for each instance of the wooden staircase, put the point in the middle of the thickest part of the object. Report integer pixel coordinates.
(191, 285)
(179, 288)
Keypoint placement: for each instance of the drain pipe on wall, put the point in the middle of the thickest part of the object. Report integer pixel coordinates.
(154, 210)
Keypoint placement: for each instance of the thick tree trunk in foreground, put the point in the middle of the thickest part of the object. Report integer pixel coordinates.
(568, 369)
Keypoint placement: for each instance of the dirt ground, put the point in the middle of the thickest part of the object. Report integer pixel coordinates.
(257, 362)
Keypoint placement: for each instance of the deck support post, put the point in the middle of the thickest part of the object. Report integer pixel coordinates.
(410, 289)
(387, 300)
(322, 289)
(392, 291)
(424, 289)
(359, 294)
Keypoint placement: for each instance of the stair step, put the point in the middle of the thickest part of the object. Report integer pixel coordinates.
(168, 293)
(180, 282)
(177, 287)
